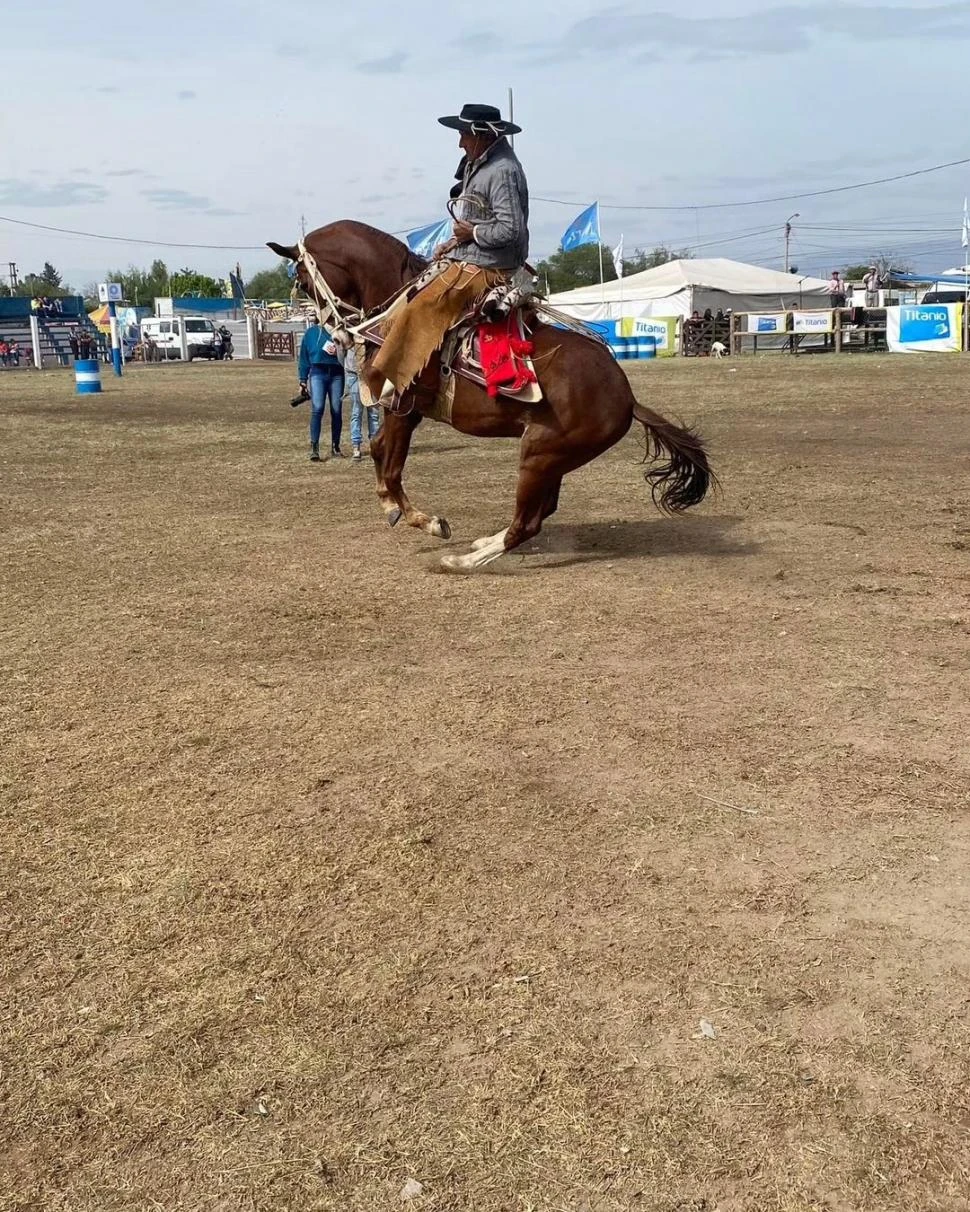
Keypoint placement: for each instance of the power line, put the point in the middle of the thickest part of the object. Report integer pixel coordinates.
(816, 193)
(93, 235)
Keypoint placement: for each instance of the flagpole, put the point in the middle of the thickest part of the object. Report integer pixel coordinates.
(965, 245)
(599, 244)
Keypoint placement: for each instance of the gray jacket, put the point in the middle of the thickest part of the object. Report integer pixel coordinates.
(495, 200)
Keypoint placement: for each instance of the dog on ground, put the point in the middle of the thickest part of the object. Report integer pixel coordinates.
(718, 349)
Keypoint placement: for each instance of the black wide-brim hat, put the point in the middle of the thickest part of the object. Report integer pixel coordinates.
(480, 120)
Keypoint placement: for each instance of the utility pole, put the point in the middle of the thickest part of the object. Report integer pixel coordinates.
(12, 271)
(511, 117)
(796, 215)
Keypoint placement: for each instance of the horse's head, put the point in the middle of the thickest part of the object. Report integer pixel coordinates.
(360, 265)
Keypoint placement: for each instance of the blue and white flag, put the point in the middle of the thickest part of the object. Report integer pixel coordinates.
(424, 240)
(584, 229)
(965, 234)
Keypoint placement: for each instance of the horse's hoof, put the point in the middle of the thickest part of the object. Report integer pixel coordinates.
(394, 517)
(439, 528)
(453, 563)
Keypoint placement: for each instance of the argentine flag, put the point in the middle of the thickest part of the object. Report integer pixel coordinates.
(584, 229)
(424, 240)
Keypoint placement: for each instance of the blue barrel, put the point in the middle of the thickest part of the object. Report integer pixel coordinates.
(87, 376)
(648, 347)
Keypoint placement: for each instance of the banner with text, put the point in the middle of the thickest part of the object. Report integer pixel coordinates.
(663, 329)
(811, 321)
(774, 321)
(928, 328)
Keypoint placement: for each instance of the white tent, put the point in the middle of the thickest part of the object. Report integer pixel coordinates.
(680, 288)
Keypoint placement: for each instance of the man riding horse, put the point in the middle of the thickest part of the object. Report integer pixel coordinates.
(490, 243)
(370, 288)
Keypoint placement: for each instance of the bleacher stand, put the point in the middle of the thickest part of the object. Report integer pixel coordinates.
(54, 329)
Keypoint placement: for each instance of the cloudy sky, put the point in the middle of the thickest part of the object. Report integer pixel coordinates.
(213, 123)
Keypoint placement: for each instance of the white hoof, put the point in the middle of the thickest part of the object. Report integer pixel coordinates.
(483, 552)
(439, 528)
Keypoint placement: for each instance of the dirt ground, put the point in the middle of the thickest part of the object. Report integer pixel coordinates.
(323, 873)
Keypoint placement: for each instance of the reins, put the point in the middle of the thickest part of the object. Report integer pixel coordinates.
(334, 311)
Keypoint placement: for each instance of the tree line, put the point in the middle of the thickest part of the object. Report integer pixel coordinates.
(142, 286)
(562, 271)
(581, 266)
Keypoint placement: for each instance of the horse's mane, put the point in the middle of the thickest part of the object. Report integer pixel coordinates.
(396, 250)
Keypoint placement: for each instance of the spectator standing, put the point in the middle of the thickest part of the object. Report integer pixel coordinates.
(872, 283)
(84, 344)
(4, 352)
(74, 344)
(323, 376)
(836, 289)
(356, 406)
(13, 353)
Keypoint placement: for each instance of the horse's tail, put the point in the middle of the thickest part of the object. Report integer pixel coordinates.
(685, 479)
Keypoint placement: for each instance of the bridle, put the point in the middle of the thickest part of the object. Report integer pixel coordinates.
(336, 315)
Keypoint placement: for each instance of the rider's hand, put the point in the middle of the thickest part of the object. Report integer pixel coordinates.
(463, 231)
(443, 249)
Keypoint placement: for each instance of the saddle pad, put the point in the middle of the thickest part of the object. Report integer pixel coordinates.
(460, 353)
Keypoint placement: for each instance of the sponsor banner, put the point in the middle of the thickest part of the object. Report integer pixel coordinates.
(663, 329)
(928, 328)
(811, 321)
(774, 321)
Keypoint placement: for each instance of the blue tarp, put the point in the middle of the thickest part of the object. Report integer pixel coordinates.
(949, 279)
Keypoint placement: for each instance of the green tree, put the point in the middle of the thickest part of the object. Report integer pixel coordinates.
(270, 283)
(578, 267)
(660, 255)
(38, 284)
(581, 266)
(142, 286)
(50, 276)
(186, 282)
(886, 263)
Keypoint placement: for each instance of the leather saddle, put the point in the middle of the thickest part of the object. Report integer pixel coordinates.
(460, 354)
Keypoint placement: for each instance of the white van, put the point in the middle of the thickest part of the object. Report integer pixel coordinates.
(200, 335)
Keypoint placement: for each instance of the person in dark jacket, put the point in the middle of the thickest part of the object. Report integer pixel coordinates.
(322, 374)
(490, 243)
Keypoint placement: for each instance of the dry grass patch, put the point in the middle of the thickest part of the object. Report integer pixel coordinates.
(323, 871)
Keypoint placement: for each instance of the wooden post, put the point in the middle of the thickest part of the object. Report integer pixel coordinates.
(735, 334)
(837, 325)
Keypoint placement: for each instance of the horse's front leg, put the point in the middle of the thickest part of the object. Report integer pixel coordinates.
(389, 450)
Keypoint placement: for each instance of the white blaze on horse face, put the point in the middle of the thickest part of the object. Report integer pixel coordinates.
(484, 552)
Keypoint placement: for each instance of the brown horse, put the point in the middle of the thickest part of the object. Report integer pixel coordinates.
(587, 406)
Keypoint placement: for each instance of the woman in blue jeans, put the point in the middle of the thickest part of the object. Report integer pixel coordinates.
(356, 406)
(322, 374)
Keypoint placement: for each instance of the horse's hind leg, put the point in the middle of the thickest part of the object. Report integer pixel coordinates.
(549, 506)
(390, 451)
(537, 496)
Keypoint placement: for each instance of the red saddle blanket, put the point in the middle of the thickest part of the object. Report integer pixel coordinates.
(503, 352)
